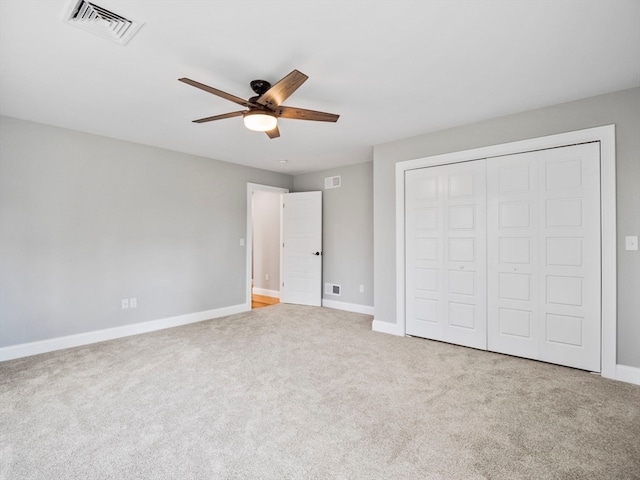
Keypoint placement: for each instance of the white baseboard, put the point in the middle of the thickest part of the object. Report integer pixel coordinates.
(628, 374)
(349, 307)
(386, 327)
(265, 292)
(59, 343)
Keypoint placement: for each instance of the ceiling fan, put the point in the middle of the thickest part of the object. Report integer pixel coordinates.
(264, 109)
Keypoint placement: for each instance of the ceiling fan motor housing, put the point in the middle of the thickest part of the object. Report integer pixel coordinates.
(260, 86)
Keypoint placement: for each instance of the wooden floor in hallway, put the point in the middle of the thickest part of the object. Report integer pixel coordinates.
(260, 301)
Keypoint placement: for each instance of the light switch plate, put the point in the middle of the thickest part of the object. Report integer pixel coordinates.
(631, 243)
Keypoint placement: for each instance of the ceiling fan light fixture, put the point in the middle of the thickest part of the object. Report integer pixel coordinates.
(260, 121)
(265, 107)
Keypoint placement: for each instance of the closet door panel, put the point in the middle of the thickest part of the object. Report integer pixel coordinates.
(465, 257)
(544, 255)
(570, 282)
(512, 256)
(445, 261)
(424, 250)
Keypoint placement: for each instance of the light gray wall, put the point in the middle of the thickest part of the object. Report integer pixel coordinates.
(347, 230)
(86, 221)
(619, 108)
(266, 240)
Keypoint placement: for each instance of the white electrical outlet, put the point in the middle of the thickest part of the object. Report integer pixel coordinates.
(631, 243)
(133, 303)
(125, 303)
(266, 276)
(361, 288)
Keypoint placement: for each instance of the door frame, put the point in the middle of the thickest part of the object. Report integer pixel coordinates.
(254, 187)
(606, 136)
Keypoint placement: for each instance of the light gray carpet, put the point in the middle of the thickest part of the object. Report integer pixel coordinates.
(291, 392)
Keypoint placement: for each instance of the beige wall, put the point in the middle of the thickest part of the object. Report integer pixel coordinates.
(86, 221)
(347, 230)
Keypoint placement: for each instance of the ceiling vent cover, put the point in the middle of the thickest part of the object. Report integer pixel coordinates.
(102, 21)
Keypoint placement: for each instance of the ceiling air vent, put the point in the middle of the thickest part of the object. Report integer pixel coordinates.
(102, 21)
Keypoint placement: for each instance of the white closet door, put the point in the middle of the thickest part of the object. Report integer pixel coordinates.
(570, 253)
(424, 253)
(512, 255)
(446, 253)
(544, 255)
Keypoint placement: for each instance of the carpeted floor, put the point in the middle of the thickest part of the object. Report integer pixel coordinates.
(292, 392)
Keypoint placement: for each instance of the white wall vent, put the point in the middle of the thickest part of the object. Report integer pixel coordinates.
(332, 289)
(101, 21)
(332, 182)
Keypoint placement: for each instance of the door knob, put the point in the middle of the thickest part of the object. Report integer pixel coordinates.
(317, 253)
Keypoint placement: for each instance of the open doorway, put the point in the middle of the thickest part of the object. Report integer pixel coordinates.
(263, 252)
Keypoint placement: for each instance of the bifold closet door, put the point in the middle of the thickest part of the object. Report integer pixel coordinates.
(544, 268)
(445, 264)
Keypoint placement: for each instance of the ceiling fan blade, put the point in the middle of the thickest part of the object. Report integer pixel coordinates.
(282, 90)
(220, 117)
(219, 93)
(273, 133)
(304, 114)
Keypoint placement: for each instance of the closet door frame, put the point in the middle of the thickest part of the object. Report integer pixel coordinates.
(606, 137)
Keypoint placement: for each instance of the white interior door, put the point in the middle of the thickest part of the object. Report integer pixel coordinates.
(445, 253)
(544, 255)
(301, 255)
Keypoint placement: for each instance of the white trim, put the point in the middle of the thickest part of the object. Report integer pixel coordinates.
(386, 327)
(609, 256)
(628, 374)
(266, 293)
(70, 341)
(349, 307)
(606, 136)
(254, 187)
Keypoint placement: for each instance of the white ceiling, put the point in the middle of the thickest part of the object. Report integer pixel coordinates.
(391, 69)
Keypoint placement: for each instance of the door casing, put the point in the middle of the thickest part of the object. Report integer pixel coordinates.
(253, 187)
